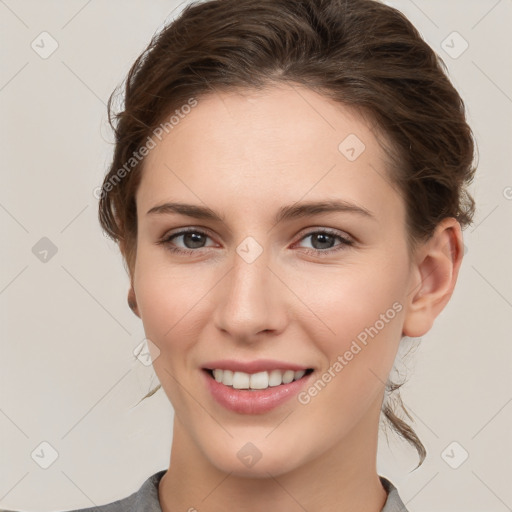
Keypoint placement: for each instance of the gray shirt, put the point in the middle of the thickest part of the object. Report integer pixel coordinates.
(146, 498)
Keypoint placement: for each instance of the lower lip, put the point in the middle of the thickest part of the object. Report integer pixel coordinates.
(244, 401)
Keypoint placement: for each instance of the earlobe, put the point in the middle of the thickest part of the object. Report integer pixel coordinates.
(132, 301)
(435, 274)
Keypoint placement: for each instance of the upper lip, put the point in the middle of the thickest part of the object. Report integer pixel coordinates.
(260, 365)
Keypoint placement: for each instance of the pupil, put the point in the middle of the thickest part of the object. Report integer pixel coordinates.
(323, 237)
(196, 239)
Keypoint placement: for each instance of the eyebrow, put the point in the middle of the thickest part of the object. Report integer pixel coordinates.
(294, 211)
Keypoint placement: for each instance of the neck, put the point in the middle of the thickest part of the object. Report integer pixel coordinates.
(341, 480)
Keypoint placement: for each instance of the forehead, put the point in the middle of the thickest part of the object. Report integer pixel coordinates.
(268, 148)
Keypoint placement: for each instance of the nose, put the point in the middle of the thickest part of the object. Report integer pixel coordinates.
(251, 301)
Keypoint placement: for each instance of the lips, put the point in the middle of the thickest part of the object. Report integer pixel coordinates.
(239, 396)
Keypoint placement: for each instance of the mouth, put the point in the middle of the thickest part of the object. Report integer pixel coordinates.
(254, 386)
(258, 381)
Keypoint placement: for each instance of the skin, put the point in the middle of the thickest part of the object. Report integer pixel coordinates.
(245, 155)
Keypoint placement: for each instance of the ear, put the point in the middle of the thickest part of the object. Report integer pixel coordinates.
(132, 301)
(435, 272)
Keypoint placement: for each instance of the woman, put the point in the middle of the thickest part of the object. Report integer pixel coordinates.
(288, 191)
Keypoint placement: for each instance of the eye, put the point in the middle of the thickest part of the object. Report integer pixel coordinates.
(192, 238)
(322, 241)
(195, 239)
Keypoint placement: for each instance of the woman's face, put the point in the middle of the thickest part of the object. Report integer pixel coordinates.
(314, 288)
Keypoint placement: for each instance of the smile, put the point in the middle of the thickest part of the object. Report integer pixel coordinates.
(257, 381)
(254, 393)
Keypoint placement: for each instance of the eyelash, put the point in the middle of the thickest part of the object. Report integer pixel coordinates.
(345, 242)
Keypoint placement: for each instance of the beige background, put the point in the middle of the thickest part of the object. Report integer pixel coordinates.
(68, 376)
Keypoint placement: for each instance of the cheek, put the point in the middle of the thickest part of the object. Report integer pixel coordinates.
(347, 300)
(167, 302)
(358, 359)
(357, 327)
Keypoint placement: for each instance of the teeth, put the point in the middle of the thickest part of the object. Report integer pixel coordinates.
(275, 378)
(288, 376)
(241, 380)
(260, 380)
(227, 377)
(298, 375)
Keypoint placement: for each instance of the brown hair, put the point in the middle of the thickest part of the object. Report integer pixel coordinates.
(361, 53)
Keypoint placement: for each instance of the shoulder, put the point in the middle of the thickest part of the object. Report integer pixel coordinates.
(393, 502)
(143, 500)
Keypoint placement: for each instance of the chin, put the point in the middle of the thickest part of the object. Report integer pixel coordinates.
(249, 462)
(260, 470)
